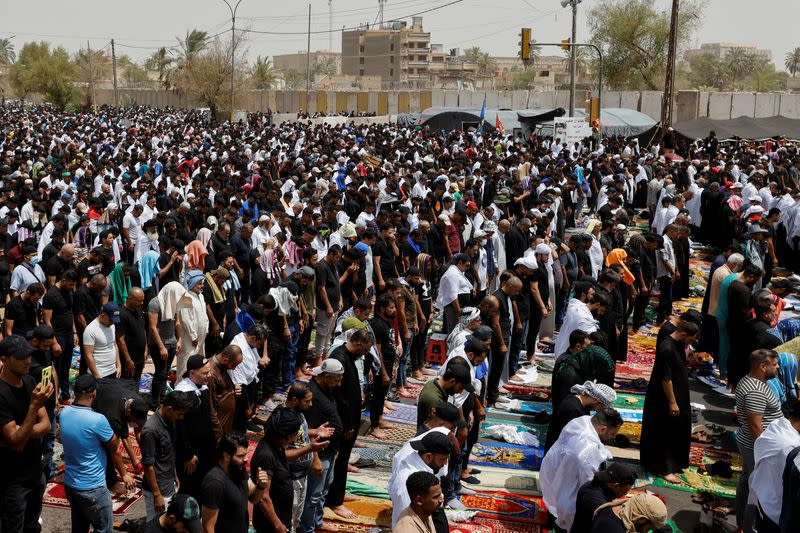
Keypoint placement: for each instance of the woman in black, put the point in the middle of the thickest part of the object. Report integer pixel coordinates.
(667, 417)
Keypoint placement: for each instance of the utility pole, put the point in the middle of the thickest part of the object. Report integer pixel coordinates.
(114, 73)
(233, 47)
(330, 25)
(91, 74)
(573, 53)
(669, 82)
(308, 57)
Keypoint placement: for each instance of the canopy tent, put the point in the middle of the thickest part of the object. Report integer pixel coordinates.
(460, 118)
(616, 122)
(741, 128)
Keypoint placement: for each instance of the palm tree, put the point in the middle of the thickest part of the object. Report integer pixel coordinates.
(325, 66)
(792, 60)
(581, 61)
(161, 62)
(191, 45)
(740, 63)
(263, 73)
(536, 52)
(7, 54)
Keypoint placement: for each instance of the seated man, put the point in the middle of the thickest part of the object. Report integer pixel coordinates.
(574, 459)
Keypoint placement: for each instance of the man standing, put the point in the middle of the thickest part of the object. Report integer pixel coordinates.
(667, 272)
(501, 325)
(195, 436)
(756, 408)
(100, 350)
(329, 301)
(131, 335)
(226, 488)
(322, 413)
(386, 349)
(23, 423)
(88, 443)
(221, 390)
(348, 400)
(425, 494)
(158, 451)
(245, 375)
(57, 313)
(574, 459)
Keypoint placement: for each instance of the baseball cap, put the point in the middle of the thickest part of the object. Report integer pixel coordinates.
(15, 346)
(195, 362)
(85, 384)
(352, 322)
(460, 372)
(111, 309)
(186, 510)
(433, 442)
(329, 366)
(617, 473)
(447, 412)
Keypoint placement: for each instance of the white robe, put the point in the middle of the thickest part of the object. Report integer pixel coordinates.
(404, 463)
(572, 461)
(596, 257)
(194, 327)
(770, 452)
(577, 317)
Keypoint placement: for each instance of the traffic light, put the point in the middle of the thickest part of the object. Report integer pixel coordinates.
(593, 109)
(565, 44)
(525, 44)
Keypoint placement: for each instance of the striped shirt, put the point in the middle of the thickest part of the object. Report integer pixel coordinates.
(754, 396)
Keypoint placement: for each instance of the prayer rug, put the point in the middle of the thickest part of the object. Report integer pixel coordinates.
(631, 430)
(706, 455)
(403, 414)
(694, 481)
(471, 527)
(370, 512)
(55, 496)
(506, 526)
(380, 453)
(508, 455)
(525, 407)
(356, 528)
(400, 434)
(718, 386)
(628, 401)
(631, 416)
(509, 480)
(359, 488)
(412, 390)
(506, 505)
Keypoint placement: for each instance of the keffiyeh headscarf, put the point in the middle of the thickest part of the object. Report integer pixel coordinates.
(638, 506)
(600, 392)
(468, 314)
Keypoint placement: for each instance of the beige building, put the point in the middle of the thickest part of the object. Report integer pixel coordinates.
(399, 54)
(721, 50)
(297, 61)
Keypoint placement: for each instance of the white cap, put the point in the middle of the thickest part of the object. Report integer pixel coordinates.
(542, 248)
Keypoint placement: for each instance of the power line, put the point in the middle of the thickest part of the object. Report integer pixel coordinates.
(354, 28)
(342, 13)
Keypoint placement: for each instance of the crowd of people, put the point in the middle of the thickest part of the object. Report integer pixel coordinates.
(141, 236)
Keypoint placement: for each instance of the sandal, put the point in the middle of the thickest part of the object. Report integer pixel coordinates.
(702, 437)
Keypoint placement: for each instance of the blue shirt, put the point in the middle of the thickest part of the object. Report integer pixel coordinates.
(84, 433)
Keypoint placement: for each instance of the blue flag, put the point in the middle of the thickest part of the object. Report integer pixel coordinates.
(483, 113)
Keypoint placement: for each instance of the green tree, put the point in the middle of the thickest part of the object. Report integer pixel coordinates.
(767, 79)
(705, 70)
(132, 72)
(523, 79)
(91, 67)
(487, 66)
(162, 62)
(295, 79)
(191, 45)
(741, 63)
(581, 61)
(7, 54)
(325, 66)
(262, 73)
(634, 38)
(792, 62)
(40, 70)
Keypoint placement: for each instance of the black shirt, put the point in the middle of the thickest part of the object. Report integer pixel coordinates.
(87, 303)
(25, 466)
(158, 450)
(229, 496)
(348, 396)
(591, 495)
(110, 402)
(504, 312)
(172, 273)
(607, 522)
(23, 314)
(386, 253)
(56, 266)
(60, 302)
(385, 336)
(132, 326)
(327, 277)
(323, 409)
(86, 269)
(272, 460)
(542, 283)
(569, 408)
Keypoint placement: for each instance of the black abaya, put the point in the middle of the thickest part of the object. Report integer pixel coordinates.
(665, 438)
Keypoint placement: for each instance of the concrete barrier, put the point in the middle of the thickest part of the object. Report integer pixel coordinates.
(767, 104)
(743, 105)
(719, 106)
(650, 104)
(790, 105)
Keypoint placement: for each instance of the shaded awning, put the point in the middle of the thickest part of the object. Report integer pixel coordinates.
(741, 128)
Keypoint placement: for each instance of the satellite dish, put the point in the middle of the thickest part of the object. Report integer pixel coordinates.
(565, 3)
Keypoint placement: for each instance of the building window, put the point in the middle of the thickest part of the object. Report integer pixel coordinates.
(360, 60)
(391, 59)
(361, 48)
(391, 72)
(391, 47)
(361, 72)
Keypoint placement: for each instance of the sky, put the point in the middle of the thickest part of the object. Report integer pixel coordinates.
(142, 26)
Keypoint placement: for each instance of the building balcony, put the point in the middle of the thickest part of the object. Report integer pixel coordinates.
(418, 64)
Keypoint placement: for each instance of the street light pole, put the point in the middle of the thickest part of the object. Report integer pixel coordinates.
(233, 45)
(573, 57)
